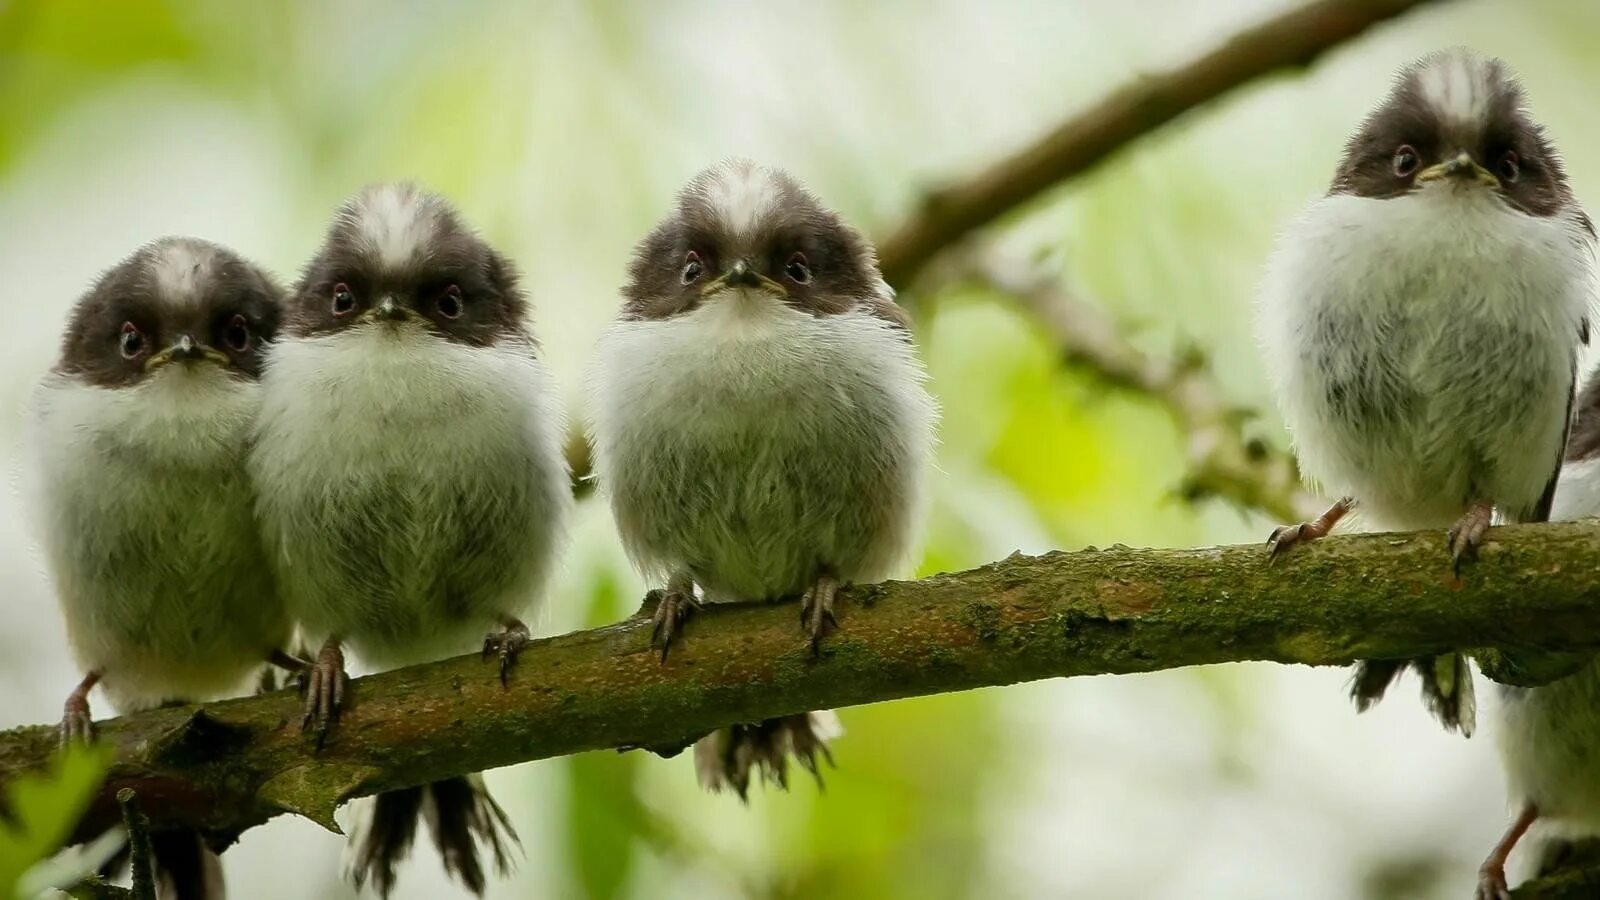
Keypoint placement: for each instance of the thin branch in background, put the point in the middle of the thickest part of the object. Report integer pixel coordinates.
(1293, 39)
(1222, 461)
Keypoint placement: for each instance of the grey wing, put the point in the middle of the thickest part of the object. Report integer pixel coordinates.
(1541, 510)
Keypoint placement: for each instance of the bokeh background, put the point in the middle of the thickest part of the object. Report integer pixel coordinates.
(562, 129)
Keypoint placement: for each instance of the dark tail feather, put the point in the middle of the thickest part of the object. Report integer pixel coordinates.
(385, 839)
(463, 817)
(460, 814)
(1447, 690)
(186, 869)
(1372, 678)
(1446, 687)
(732, 756)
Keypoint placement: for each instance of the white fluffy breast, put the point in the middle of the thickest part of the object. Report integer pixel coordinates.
(1422, 348)
(146, 518)
(752, 443)
(413, 489)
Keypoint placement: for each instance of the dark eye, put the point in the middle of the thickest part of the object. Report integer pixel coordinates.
(797, 269)
(1510, 166)
(1406, 161)
(131, 341)
(449, 303)
(692, 267)
(344, 302)
(237, 334)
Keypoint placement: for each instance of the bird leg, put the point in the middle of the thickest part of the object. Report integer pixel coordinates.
(509, 642)
(77, 727)
(816, 609)
(323, 683)
(1467, 533)
(1285, 536)
(673, 606)
(291, 663)
(1492, 874)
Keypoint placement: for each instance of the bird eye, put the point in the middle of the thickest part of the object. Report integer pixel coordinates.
(797, 269)
(692, 267)
(131, 341)
(1406, 161)
(344, 302)
(1510, 166)
(449, 303)
(237, 334)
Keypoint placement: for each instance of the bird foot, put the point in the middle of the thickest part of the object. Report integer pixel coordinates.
(1492, 883)
(77, 726)
(673, 606)
(1467, 534)
(1285, 536)
(509, 644)
(816, 611)
(323, 685)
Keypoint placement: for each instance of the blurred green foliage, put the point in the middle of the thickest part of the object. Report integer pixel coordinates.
(40, 810)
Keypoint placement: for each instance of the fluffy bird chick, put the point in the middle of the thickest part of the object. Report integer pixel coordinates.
(138, 441)
(411, 478)
(1549, 736)
(760, 424)
(1422, 324)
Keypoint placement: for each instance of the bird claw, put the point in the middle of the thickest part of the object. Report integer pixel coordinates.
(323, 685)
(1492, 884)
(1285, 536)
(817, 619)
(77, 726)
(509, 644)
(1467, 534)
(673, 607)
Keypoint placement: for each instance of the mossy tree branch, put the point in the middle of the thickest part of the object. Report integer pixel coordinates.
(227, 766)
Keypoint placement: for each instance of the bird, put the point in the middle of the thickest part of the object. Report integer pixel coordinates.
(1548, 737)
(760, 425)
(1421, 325)
(411, 479)
(137, 439)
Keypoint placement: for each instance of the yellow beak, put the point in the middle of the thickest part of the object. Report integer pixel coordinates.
(1461, 166)
(185, 349)
(742, 274)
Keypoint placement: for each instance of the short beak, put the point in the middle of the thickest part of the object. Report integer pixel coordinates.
(184, 349)
(743, 275)
(1461, 167)
(388, 310)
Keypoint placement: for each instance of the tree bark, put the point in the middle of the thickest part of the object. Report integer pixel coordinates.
(224, 767)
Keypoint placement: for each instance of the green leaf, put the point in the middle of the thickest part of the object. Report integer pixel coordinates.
(42, 809)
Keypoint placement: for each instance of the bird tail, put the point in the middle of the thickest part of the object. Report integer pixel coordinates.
(1446, 687)
(462, 818)
(186, 869)
(729, 757)
(185, 866)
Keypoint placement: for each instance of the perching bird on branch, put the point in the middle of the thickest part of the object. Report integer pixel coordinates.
(138, 440)
(1549, 736)
(411, 479)
(760, 424)
(1422, 324)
